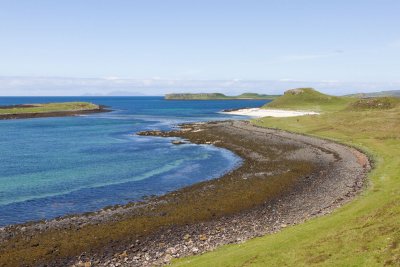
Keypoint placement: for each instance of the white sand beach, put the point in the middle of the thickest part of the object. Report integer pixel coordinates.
(260, 112)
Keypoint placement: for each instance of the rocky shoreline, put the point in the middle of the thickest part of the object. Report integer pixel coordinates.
(284, 180)
(100, 109)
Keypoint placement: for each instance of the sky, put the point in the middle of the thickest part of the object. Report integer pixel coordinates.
(77, 47)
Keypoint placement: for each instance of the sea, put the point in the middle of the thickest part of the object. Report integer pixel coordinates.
(51, 167)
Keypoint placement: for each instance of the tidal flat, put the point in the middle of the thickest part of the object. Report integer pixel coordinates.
(284, 179)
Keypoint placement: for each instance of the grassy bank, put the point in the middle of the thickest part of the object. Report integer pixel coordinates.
(362, 233)
(50, 107)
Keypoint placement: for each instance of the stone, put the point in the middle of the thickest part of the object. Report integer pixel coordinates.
(123, 254)
(202, 237)
(84, 264)
(170, 250)
(167, 258)
(178, 142)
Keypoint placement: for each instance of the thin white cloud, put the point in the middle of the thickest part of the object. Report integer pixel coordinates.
(112, 78)
(303, 57)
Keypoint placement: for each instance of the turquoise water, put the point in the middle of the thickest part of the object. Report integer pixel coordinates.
(51, 167)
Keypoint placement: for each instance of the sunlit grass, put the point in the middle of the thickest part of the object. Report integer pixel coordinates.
(50, 107)
(311, 100)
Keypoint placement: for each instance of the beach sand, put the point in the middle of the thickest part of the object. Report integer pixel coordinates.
(261, 112)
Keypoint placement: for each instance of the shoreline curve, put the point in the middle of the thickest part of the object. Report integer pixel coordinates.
(331, 175)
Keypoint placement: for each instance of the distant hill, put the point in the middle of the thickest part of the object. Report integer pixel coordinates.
(395, 93)
(256, 96)
(217, 96)
(116, 93)
(125, 93)
(309, 99)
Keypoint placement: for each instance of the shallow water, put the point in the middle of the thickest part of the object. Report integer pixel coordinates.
(51, 167)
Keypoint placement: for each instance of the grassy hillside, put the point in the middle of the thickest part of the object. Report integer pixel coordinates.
(45, 108)
(216, 96)
(395, 93)
(374, 103)
(364, 232)
(309, 99)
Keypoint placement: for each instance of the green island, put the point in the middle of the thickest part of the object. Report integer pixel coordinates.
(48, 110)
(218, 96)
(364, 232)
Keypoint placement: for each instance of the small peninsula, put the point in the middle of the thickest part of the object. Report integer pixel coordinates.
(218, 96)
(26, 111)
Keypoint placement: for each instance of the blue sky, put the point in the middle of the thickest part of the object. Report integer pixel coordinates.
(160, 46)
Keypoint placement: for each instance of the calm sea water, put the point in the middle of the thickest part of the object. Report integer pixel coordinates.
(51, 167)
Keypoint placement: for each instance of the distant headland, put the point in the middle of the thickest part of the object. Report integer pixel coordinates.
(218, 96)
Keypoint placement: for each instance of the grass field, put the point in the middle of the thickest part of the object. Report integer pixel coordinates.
(365, 232)
(50, 107)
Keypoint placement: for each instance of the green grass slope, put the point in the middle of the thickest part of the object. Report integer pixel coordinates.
(309, 99)
(50, 107)
(364, 232)
(374, 103)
